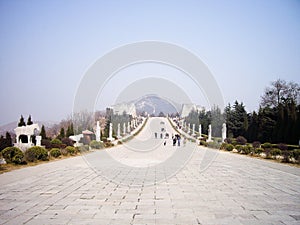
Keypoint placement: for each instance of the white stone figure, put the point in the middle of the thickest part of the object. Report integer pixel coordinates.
(128, 127)
(27, 130)
(38, 140)
(76, 138)
(119, 131)
(209, 133)
(110, 137)
(131, 124)
(193, 129)
(200, 130)
(189, 128)
(124, 129)
(98, 132)
(224, 131)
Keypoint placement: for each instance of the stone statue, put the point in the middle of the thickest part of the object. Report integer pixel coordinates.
(193, 130)
(98, 132)
(119, 131)
(200, 130)
(124, 129)
(224, 131)
(209, 133)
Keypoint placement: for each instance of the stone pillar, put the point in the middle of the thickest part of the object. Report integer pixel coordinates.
(98, 132)
(128, 127)
(131, 124)
(193, 130)
(224, 131)
(200, 130)
(38, 140)
(209, 133)
(124, 129)
(110, 138)
(189, 128)
(119, 131)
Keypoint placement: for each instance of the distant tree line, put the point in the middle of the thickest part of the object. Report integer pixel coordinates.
(276, 121)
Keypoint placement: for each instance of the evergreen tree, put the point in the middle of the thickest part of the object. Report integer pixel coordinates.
(29, 122)
(70, 130)
(8, 139)
(236, 119)
(217, 121)
(21, 122)
(61, 133)
(43, 132)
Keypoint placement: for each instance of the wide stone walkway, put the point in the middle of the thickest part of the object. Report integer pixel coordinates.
(154, 184)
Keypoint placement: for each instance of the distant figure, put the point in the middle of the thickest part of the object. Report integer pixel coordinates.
(174, 140)
(178, 140)
(155, 134)
(165, 142)
(161, 136)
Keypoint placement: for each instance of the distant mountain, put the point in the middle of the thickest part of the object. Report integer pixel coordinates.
(153, 104)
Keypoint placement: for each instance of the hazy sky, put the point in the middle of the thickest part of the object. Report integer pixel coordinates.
(47, 46)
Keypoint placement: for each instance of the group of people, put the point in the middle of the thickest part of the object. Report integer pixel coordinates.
(176, 138)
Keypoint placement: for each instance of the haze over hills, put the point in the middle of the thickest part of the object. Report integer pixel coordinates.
(153, 104)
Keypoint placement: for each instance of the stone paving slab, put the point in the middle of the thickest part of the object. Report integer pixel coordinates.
(233, 189)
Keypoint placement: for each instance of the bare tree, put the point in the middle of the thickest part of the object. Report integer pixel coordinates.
(279, 92)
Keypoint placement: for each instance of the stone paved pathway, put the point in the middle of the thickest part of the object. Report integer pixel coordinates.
(213, 188)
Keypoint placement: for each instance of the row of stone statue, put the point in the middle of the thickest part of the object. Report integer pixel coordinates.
(126, 130)
(209, 139)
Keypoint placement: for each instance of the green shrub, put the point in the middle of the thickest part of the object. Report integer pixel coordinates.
(286, 156)
(267, 145)
(56, 143)
(214, 144)
(258, 151)
(71, 150)
(108, 144)
(239, 148)
(55, 152)
(229, 147)
(204, 143)
(223, 146)
(13, 155)
(64, 152)
(296, 154)
(36, 153)
(275, 151)
(246, 149)
(84, 148)
(96, 144)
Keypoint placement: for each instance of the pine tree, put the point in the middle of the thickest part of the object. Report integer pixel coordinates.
(43, 132)
(29, 122)
(70, 130)
(22, 122)
(8, 139)
(62, 133)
